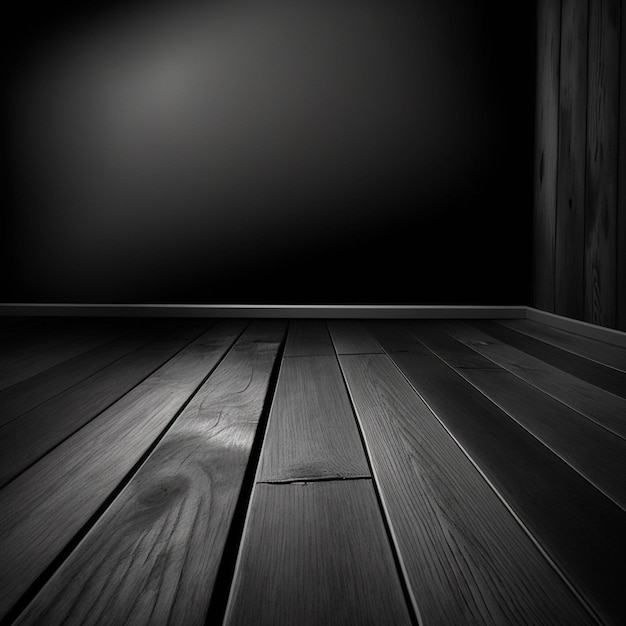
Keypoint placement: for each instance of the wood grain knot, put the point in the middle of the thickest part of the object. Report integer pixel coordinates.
(166, 491)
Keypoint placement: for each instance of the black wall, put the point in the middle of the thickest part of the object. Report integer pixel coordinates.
(270, 152)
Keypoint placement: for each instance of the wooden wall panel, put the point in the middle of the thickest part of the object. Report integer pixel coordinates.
(546, 149)
(570, 212)
(621, 181)
(579, 258)
(602, 152)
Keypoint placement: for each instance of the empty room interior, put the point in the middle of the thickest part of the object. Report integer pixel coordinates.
(313, 313)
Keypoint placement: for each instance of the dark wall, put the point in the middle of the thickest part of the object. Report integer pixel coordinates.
(270, 152)
(580, 161)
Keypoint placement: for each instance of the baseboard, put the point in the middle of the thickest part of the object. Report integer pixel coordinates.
(267, 311)
(328, 311)
(593, 331)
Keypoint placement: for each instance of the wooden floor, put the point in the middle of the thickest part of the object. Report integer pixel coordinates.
(309, 472)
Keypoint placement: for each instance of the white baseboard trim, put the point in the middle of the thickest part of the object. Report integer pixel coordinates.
(593, 331)
(266, 311)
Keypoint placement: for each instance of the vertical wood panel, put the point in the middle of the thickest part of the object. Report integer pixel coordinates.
(621, 179)
(570, 215)
(546, 148)
(602, 153)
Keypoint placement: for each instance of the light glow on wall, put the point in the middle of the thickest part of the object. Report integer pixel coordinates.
(156, 140)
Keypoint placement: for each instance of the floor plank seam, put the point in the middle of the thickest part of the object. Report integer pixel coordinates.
(606, 378)
(157, 336)
(409, 597)
(58, 393)
(303, 356)
(226, 570)
(560, 347)
(102, 410)
(550, 395)
(304, 481)
(579, 596)
(458, 371)
(19, 359)
(162, 504)
(542, 442)
(46, 574)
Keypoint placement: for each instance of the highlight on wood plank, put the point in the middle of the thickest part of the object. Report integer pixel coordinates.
(154, 555)
(42, 509)
(52, 422)
(446, 481)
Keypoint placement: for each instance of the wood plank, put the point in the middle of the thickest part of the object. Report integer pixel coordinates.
(316, 553)
(350, 337)
(596, 453)
(593, 331)
(393, 337)
(621, 184)
(599, 351)
(594, 373)
(596, 404)
(312, 432)
(570, 213)
(308, 338)
(602, 154)
(466, 559)
(546, 152)
(42, 351)
(437, 341)
(45, 507)
(36, 390)
(26, 439)
(152, 558)
(580, 528)
(15, 330)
